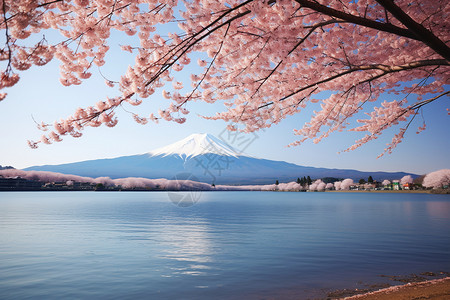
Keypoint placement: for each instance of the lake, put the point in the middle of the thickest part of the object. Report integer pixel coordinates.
(229, 245)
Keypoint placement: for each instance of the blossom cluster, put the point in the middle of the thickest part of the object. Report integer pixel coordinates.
(437, 179)
(264, 60)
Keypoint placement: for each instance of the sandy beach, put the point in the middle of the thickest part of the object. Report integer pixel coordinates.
(437, 289)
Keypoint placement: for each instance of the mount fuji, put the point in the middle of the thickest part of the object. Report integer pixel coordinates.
(205, 158)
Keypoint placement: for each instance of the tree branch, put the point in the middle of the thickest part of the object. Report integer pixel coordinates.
(424, 34)
(48, 3)
(386, 27)
(425, 102)
(384, 68)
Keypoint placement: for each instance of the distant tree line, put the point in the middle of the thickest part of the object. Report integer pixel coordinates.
(369, 180)
(5, 167)
(304, 180)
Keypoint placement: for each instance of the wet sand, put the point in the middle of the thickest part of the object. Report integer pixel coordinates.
(437, 289)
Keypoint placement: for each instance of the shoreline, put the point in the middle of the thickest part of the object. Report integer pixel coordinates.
(431, 192)
(435, 289)
(383, 191)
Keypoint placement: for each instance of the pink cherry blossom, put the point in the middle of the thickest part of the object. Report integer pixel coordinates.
(437, 179)
(406, 179)
(264, 60)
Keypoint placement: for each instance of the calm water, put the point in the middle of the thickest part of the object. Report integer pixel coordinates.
(230, 245)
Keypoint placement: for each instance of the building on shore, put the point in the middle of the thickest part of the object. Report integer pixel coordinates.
(19, 184)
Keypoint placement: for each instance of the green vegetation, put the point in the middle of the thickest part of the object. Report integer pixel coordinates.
(331, 179)
(99, 187)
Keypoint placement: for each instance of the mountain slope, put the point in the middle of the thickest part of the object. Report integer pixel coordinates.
(210, 160)
(196, 144)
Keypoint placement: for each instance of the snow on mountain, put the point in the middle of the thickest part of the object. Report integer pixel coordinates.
(207, 158)
(196, 144)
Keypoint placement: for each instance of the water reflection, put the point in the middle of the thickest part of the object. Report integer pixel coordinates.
(408, 208)
(438, 209)
(228, 246)
(188, 243)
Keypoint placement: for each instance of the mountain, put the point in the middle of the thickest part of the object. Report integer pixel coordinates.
(195, 145)
(208, 159)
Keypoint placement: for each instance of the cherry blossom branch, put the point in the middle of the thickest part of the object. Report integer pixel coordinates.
(301, 41)
(386, 27)
(386, 69)
(390, 119)
(267, 59)
(374, 133)
(420, 104)
(173, 57)
(415, 31)
(8, 68)
(49, 3)
(419, 30)
(207, 70)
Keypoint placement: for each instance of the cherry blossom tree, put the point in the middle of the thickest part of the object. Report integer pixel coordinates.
(437, 179)
(317, 185)
(264, 60)
(344, 184)
(337, 185)
(406, 179)
(386, 182)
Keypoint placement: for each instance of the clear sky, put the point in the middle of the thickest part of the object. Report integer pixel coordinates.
(39, 95)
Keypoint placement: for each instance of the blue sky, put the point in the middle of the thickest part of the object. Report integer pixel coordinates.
(40, 95)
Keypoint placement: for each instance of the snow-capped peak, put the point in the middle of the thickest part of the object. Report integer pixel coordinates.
(197, 144)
